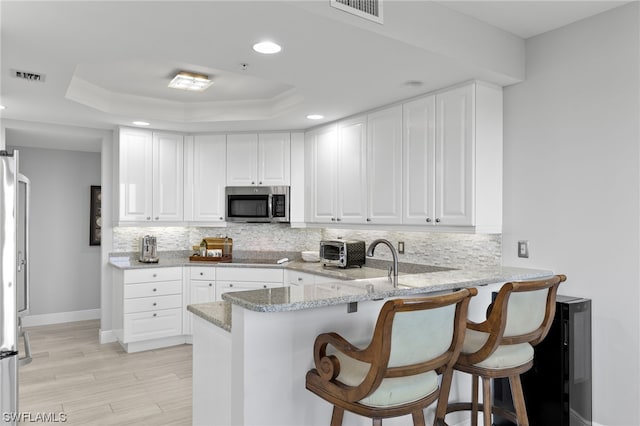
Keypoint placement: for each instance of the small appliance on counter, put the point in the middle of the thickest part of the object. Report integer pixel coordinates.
(214, 249)
(148, 249)
(342, 253)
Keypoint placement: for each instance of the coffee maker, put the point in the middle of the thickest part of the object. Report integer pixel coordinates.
(148, 249)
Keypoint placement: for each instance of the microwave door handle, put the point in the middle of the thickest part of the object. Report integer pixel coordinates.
(270, 206)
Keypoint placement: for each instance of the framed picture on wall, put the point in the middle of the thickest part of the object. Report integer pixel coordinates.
(95, 229)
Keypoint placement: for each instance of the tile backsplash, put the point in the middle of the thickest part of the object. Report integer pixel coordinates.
(429, 248)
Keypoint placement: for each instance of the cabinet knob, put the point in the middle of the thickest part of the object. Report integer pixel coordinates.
(253, 183)
(221, 218)
(148, 217)
(368, 219)
(429, 220)
(437, 220)
(264, 286)
(299, 279)
(259, 183)
(157, 217)
(155, 304)
(210, 285)
(201, 273)
(155, 275)
(155, 315)
(230, 285)
(155, 289)
(333, 219)
(338, 219)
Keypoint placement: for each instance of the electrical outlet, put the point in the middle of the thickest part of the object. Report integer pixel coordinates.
(523, 248)
(400, 247)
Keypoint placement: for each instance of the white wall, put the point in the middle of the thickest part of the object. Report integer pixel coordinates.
(65, 269)
(572, 184)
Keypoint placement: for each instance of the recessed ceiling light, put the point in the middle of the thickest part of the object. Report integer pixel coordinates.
(315, 117)
(267, 47)
(190, 81)
(2, 107)
(140, 123)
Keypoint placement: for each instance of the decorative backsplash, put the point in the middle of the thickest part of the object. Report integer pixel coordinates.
(428, 248)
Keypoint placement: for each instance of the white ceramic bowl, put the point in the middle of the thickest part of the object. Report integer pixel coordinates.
(310, 256)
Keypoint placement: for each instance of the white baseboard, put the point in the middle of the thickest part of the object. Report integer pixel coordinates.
(107, 336)
(60, 317)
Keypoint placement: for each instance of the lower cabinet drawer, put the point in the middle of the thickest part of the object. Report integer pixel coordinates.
(144, 304)
(152, 325)
(160, 288)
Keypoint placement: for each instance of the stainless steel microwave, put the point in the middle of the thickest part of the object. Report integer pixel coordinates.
(259, 204)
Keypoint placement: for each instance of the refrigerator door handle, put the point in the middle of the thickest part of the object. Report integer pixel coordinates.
(26, 359)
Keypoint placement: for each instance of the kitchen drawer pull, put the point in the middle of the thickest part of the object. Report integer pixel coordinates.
(201, 273)
(437, 220)
(155, 275)
(155, 304)
(264, 286)
(428, 220)
(155, 315)
(155, 289)
(210, 285)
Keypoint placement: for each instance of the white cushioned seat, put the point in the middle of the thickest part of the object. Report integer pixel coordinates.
(505, 356)
(392, 391)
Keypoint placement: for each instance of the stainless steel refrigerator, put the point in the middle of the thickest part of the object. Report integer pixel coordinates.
(14, 279)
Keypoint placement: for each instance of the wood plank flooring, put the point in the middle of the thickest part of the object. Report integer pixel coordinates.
(93, 384)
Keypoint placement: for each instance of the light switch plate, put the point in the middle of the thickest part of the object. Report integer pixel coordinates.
(523, 248)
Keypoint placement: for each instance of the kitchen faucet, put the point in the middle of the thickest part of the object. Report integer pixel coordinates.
(394, 253)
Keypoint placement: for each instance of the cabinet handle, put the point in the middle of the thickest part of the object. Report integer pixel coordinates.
(264, 286)
(201, 273)
(148, 217)
(221, 218)
(230, 285)
(210, 285)
(368, 219)
(155, 275)
(299, 279)
(155, 304)
(429, 220)
(437, 220)
(155, 289)
(333, 219)
(253, 183)
(338, 219)
(259, 183)
(157, 217)
(155, 315)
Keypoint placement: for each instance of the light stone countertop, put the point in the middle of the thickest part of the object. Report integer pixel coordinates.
(346, 291)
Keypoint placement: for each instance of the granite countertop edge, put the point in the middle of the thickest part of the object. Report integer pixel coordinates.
(217, 313)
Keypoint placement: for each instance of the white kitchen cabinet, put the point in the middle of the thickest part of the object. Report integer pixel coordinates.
(338, 172)
(321, 146)
(205, 177)
(230, 279)
(299, 278)
(148, 307)
(452, 166)
(259, 159)
(384, 164)
(150, 176)
(201, 289)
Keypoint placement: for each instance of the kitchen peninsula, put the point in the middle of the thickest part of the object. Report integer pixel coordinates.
(252, 350)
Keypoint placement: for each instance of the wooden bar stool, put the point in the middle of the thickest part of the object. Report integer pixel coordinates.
(396, 374)
(502, 346)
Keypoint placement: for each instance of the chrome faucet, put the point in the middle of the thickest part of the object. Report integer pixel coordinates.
(394, 253)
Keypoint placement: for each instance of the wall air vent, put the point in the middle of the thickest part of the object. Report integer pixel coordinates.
(27, 75)
(368, 9)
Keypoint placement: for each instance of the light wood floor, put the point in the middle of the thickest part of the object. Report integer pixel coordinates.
(94, 384)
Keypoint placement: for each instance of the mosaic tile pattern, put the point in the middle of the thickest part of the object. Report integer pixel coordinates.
(426, 248)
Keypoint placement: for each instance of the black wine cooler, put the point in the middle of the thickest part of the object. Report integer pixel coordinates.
(557, 389)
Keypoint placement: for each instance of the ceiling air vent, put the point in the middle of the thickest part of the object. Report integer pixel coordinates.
(368, 9)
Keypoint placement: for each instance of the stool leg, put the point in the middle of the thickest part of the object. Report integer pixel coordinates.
(486, 400)
(418, 418)
(336, 417)
(443, 398)
(518, 400)
(474, 400)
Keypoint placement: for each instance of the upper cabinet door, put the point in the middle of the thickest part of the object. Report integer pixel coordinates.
(168, 177)
(242, 159)
(206, 174)
(352, 171)
(135, 184)
(274, 159)
(419, 134)
(455, 157)
(384, 164)
(321, 150)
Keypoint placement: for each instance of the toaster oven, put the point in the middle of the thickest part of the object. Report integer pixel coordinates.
(342, 253)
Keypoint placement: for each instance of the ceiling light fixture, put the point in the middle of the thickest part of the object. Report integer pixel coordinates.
(2, 107)
(190, 81)
(315, 117)
(267, 47)
(140, 123)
